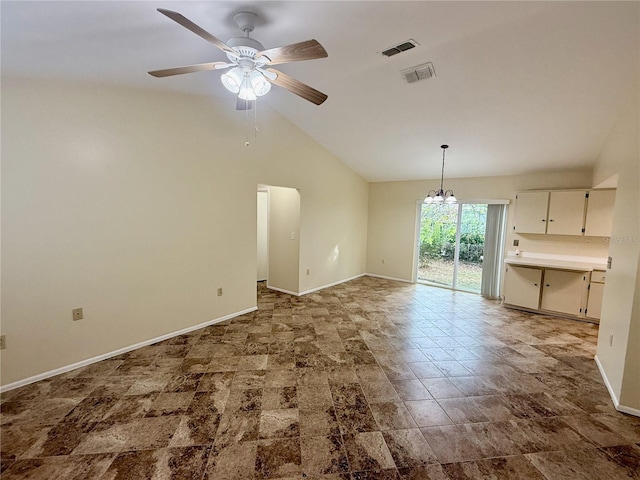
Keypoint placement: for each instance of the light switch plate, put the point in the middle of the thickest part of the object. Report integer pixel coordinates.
(77, 314)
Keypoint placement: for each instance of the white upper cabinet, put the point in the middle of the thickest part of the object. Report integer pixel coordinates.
(599, 218)
(566, 213)
(531, 212)
(571, 212)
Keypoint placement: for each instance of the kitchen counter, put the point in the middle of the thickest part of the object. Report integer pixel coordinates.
(568, 262)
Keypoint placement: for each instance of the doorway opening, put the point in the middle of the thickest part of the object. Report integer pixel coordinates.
(278, 237)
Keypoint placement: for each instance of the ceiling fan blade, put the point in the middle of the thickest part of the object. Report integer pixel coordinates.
(201, 67)
(186, 23)
(244, 104)
(296, 86)
(309, 50)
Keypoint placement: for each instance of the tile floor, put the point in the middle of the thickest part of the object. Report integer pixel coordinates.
(371, 379)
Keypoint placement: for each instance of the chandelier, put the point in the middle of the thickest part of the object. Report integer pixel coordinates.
(441, 196)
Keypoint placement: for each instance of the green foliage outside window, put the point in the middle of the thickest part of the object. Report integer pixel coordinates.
(438, 232)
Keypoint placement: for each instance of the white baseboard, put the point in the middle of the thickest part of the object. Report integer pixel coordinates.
(89, 361)
(614, 397)
(283, 291)
(631, 411)
(331, 284)
(388, 278)
(315, 289)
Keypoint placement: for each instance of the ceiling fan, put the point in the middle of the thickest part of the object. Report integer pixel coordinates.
(249, 76)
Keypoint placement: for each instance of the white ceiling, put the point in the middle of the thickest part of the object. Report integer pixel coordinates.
(520, 86)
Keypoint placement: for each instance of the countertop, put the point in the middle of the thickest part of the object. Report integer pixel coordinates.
(580, 264)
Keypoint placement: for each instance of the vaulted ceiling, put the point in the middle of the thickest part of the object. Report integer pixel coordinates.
(520, 86)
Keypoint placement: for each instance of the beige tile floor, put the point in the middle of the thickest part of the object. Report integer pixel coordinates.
(366, 380)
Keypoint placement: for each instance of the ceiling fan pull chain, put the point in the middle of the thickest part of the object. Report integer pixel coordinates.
(246, 127)
(255, 119)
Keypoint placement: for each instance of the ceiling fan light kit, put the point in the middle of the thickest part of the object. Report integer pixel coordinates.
(441, 196)
(248, 77)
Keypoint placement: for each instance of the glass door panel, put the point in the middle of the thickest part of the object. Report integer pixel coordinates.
(437, 244)
(451, 245)
(472, 230)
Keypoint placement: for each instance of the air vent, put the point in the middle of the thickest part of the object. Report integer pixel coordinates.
(401, 47)
(419, 72)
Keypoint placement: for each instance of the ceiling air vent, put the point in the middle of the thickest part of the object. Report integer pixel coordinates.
(401, 47)
(419, 72)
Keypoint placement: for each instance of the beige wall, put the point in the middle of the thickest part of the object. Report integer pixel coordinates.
(393, 210)
(620, 312)
(284, 239)
(137, 205)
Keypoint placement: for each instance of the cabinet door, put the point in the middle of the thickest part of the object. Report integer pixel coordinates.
(564, 291)
(594, 304)
(531, 212)
(566, 213)
(522, 286)
(599, 213)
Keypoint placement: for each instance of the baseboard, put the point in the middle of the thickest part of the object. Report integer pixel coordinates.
(89, 361)
(612, 394)
(631, 411)
(331, 284)
(315, 289)
(614, 397)
(283, 291)
(388, 278)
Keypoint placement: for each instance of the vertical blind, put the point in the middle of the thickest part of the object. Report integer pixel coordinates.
(493, 250)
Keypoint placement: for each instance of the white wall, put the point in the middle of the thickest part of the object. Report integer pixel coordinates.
(137, 205)
(284, 239)
(392, 217)
(263, 236)
(620, 309)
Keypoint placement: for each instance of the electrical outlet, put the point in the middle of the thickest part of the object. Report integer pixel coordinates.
(383, 261)
(76, 313)
(516, 242)
(220, 291)
(307, 271)
(3, 342)
(611, 340)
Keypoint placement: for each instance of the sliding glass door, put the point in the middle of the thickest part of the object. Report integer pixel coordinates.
(451, 245)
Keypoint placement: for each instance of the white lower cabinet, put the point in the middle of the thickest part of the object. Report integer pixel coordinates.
(564, 292)
(546, 289)
(522, 286)
(596, 290)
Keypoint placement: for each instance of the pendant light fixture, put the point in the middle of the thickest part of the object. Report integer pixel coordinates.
(441, 196)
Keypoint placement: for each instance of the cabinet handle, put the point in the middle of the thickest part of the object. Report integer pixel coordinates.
(551, 219)
(547, 285)
(543, 220)
(535, 284)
